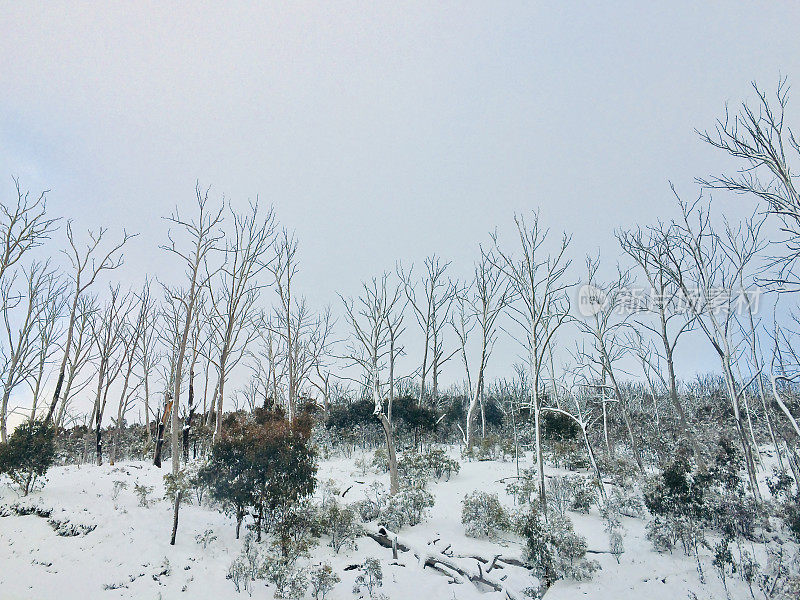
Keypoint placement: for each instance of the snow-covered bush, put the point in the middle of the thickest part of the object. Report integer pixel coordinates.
(340, 523)
(177, 484)
(239, 574)
(322, 580)
(374, 500)
(205, 538)
(293, 530)
(417, 468)
(290, 581)
(626, 501)
(407, 507)
(570, 493)
(28, 453)
(483, 515)
(523, 488)
(553, 549)
(370, 577)
(142, 492)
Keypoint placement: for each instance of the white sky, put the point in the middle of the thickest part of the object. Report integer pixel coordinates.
(379, 131)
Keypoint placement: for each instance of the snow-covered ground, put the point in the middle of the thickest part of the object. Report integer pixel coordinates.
(127, 553)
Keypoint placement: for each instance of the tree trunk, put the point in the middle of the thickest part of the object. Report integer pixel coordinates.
(394, 483)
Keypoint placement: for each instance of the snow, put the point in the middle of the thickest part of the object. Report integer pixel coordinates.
(126, 554)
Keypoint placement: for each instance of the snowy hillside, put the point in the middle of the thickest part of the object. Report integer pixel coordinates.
(126, 554)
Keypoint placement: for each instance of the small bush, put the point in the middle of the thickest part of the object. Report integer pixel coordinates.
(370, 577)
(142, 492)
(28, 454)
(483, 515)
(341, 524)
(322, 580)
(289, 580)
(407, 507)
(570, 493)
(553, 549)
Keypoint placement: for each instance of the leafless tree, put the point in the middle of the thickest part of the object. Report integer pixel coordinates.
(369, 318)
(133, 332)
(22, 332)
(23, 225)
(480, 304)
(49, 332)
(759, 136)
(111, 339)
(648, 248)
(540, 286)
(235, 303)
(288, 316)
(148, 354)
(87, 264)
(607, 321)
(203, 235)
(707, 268)
(80, 355)
(432, 312)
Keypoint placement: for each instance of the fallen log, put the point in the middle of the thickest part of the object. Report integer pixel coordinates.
(440, 562)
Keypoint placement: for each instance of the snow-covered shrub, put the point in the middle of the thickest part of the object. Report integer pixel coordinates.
(615, 544)
(340, 523)
(524, 488)
(294, 529)
(613, 527)
(483, 515)
(142, 492)
(118, 487)
(407, 507)
(28, 453)
(363, 464)
(570, 493)
(380, 460)
(177, 484)
(370, 507)
(490, 448)
(626, 501)
(205, 538)
(417, 468)
(239, 574)
(677, 498)
(553, 549)
(290, 581)
(322, 580)
(370, 577)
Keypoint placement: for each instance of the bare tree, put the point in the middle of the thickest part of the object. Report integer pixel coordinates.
(369, 320)
(284, 269)
(648, 249)
(87, 264)
(203, 236)
(539, 283)
(111, 339)
(22, 339)
(80, 355)
(148, 355)
(133, 332)
(432, 312)
(759, 136)
(606, 323)
(480, 305)
(235, 304)
(23, 225)
(707, 268)
(48, 334)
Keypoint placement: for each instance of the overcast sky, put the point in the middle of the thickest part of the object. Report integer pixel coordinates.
(379, 131)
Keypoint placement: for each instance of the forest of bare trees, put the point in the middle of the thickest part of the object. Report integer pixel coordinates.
(147, 371)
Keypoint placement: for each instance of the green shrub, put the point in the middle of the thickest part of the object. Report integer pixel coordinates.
(28, 454)
(483, 515)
